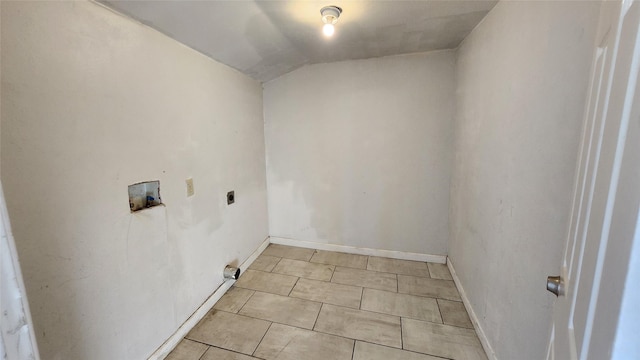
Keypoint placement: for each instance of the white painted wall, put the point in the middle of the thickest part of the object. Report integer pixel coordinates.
(522, 77)
(92, 102)
(358, 152)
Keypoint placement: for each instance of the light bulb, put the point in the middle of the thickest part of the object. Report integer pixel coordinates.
(328, 29)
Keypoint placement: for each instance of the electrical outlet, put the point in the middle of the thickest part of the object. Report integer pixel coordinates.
(231, 197)
(190, 190)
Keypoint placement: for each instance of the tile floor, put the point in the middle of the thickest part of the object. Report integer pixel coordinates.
(304, 304)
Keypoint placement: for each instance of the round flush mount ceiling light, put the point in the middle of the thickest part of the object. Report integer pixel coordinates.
(330, 15)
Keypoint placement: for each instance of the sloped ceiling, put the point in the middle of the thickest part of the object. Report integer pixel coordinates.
(266, 39)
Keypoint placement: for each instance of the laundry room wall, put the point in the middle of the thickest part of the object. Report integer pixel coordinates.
(359, 152)
(522, 78)
(92, 102)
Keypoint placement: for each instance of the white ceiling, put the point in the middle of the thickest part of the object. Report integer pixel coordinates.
(266, 39)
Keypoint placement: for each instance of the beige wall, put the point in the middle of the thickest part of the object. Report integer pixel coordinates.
(93, 102)
(362, 153)
(522, 78)
(359, 152)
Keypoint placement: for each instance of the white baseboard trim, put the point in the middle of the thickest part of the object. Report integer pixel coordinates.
(402, 255)
(184, 329)
(472, 314)
(245, 265)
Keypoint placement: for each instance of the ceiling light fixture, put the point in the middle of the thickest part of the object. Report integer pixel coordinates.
(330, 15)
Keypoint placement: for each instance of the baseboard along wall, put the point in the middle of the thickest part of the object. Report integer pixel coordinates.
(402, 255)
(200, 313)
(173, 341)
(472, 314)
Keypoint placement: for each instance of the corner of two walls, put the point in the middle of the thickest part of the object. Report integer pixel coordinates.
(522, 78)
(365, 161)
(359, 152)
(93, 102)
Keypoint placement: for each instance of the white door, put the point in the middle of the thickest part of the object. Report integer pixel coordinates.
(607, 195)
(17, 340)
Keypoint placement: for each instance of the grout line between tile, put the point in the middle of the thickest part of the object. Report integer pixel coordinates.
(245, 303)
(353, 351)
(408, 317)
(262, 338)
(462, 327)
(396, 273)
(280, 295)
(294, 285)
(409, 351)
(317, 316)
(432, 322)
(262, 271)
(344, 337)
(440, 310)
(379, 272)
(279, 323)
(333, 273)
(355, 339)
(366, 311)
(341, 265)
(198, 341)
(233, 351)
(459, 327)
(276, 265)
(283, 324)
(401, 335)
(201, 356)
(333, 270)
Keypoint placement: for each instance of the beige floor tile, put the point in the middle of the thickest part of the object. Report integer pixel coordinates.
(187, 350)
(454, 313)
(365, 278)
(289, 252)
(230, 331)
(405, 305)
(439, 271)
(367, 351)
(233, 300)
(265, 263)
(282, 309)
(340, 259)
(326, 292)
(361, 325)
(305, 269)
(414, 285)
(289, 343)
(441, 340)
(343, 297)
(267, 282)
(396, 266)
(220, 354)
